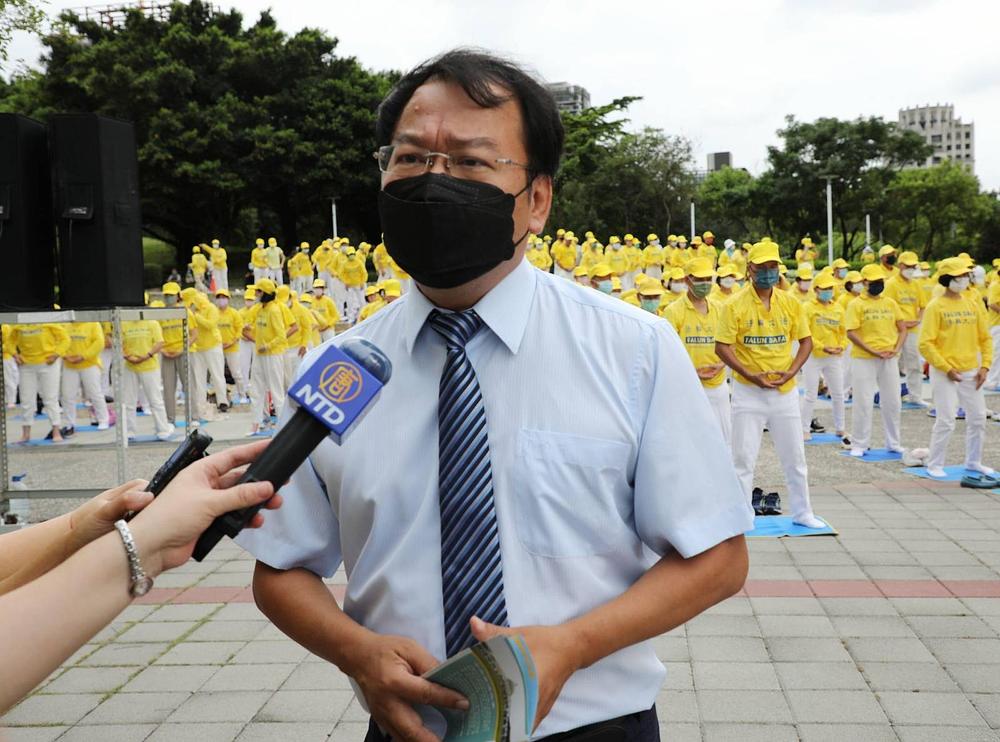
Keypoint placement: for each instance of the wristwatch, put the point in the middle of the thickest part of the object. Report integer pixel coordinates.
(141, 582)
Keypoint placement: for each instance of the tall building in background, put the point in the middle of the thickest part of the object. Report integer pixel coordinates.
(950, 138)
(569, 98)
(719, 160)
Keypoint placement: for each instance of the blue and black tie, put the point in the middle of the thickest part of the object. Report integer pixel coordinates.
(471, 568)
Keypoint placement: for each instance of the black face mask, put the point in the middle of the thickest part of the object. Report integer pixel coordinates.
(890, 259)
(265, 298)
(875, 287)
(446, 231)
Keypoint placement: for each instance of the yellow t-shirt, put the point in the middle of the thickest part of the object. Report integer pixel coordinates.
(762, 338)
(230, 326)
(369, 309)
(173, 335)
(35, 343)
(299, 266)
(327, 310)
(697, 332)
(8, 347)
(874, 318)
(258, 257)
(199, 264)
(247, 314)
(993, 299)
(564, 255)
(653, 256)
(218, 256)
(304, 322)
(908, 294)
(270, 328)
(955, 334)
(616, 259)
(826, 323)
(206, 324)
(353, 272)
(138, 339)
(803, 296)
(85, 339)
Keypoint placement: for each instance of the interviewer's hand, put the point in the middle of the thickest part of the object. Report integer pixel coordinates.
(166, 530)
(388, 670)
(97, 516)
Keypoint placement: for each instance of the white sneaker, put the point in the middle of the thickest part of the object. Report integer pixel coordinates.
(981, 469)
(937, 472)
(857, 453)
(897, 449)
(809, 521)
(102, 426)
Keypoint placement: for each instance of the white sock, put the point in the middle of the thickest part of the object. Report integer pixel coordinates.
(981, 469)
(809, 521)
(857, 453)
(937, 472)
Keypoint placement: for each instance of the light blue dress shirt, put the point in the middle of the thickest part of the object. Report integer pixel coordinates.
(604, 449)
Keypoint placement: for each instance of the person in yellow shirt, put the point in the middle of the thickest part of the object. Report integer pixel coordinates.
(650, 294)
(373, 302)
(734, 256)
(293, 339)
(306, 301)
(708, 239)
(564, 256)
(82, 368)
(247, 351)
(173, 347)
(904, 288)
(757, 328)
(300, 341)
(633, 256)
(405, 282)
(806, 254)
(381, 261)
(829, 336)
(142, 340)
(591, 255)
(198, 267)
(615, 256)
(391, 290)
(854, 286)
(616, 287)
(537, 255)
(220, 268)
(207, 358)
(803, 285)
(653, 257)
(10, 372)
(321, 260)
(354, 276)
(993, 320)
(581, 276)
(258, 260)
(877, 329)
(300, 272)
(887, 257)
(600, 278)
(325, 310)
(702, 249)
(867, 255)
(675, 284)
(270, 333)
(955, 340)
(725, 283)
(38, 352)
(230, 325)
(696, 319)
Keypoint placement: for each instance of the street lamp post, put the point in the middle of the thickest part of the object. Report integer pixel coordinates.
(693, 232)
(829, 216)
(333, 213)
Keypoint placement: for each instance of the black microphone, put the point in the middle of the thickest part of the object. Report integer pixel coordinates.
(332, 394)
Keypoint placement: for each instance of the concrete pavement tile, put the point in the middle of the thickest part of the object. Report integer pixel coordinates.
(930, 606)
(300, 732)
(676, 732)
(802, 649)
(66, 708)
(239, 612)
(136, 708)
(170, 579)
(237, 565)
(108, 733)
(786, 606)
(952, 626)
(735, 676)
(951, 734)
(679, 676)
(166, 678)
(727, 649)
(185, 612)
(90, 680)
(156, 631)
(32, 734)
(221, 706)
(355, 713)
(908, 676)
(249, 677)
(971, 572)
(983, 606)
(949, 709)
(888, 649)
(674, 706)
(826, 572)
(135, 612)
(965, 650)
(723, 625)
(789, 626)
(820, 676)
(217, 631)
(125, 654)
(889, 626)
(200, 653)
(305, 705)
(263, 652)
(79, 655)
(270, 632)
(325, 676)
(983, 678)
(671, 648)
(777, 572)
(908, 572)
(841, 732)
(835, 706)
(352, 731)
(734, 606)
(749, 733)
(195, 733)
(858, 607)
(989, 706)
(744, 706)
(884, 558)
(823, 559)
(227, 579)
(772, 558)
(993, 622)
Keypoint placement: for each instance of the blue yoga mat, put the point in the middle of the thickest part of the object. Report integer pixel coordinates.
(35, 442)
(779, 526)
(183, 423)
(876, 454)
(263, 434)
(151, 439)
(952, 474)
(822, 439)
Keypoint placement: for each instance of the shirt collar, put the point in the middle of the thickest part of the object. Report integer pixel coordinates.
(504, 309)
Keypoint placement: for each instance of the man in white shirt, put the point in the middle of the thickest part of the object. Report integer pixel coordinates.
(542, 504)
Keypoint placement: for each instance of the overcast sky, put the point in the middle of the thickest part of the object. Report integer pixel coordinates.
(722, 73)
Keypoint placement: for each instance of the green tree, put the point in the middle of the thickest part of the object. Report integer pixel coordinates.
(19, 15)
(728, 200)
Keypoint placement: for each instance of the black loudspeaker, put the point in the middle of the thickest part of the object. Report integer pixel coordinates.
(96, 175)
(27, 236)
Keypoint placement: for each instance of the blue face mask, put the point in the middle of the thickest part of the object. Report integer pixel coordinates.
(651, 305)
(766, 278)
(825, 294)
(604, 287)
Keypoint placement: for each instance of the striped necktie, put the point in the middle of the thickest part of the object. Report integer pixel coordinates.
(471, 569)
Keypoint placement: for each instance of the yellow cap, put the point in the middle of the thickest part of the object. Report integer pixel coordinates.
(250, 293)
(372, 289)
(171, 287)
(953, 267)
(306, 298)
(600, 270)
(266, 285)
(825, 281)
(156, 304)
(629, 238)
(560, 232)
(319, 283)
(699, 268)
(965, 256)
(271, 241)
(260, 242)
(682, 238)
(908, 258)
(727, 270)
(222, 292)
(764, 252)
(613, 239)
(841, 263)
(706, 235)
(650, 237)
(304, 245)
(215, 240)
(653, 288)
(886, 250)
(282, 293)
(924, 265)
(782, 269)
(873, 272)
(675, 274)
(807, 242)
(628, 295)
(804, 274)
(852, 277)
(671, 238)
(616, 283)
(392, 287)
(580, 271)
(696, 240)
(196, 249)
(189, 294)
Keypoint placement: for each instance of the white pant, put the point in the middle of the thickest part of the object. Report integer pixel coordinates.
(90, 379)
(234, 362)
(40, 379)
(832, 369)
(275, 274)
(338, 292)
(912, 364)
(327, 334)
(200, 283)
(948, 395)
(718, 399)
(290, 364)
(10, 377)
(247, 354)
(107, 359)
(870, 373)
(259, 274)
(152, 384)
(655, 271)
(993, 380)
(205, 364)
(753, 410)
(355, 298)
(302, 284)
(568, 275)
(268, 377)
(221, 278)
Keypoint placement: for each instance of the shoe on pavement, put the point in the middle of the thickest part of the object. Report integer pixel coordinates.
(857, 453)
(67, 431)
(845, 442)
(772, 504)
(932, 412)
(960, 415)
(980, 482)
(809, 521)
(757, 499)
(223, 407)
(815, 427)
(937, 472)
(103, 426)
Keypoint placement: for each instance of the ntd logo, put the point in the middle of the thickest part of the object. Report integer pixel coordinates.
(341, 382)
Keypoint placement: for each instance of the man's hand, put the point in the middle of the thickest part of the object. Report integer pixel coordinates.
(169, 354)
(388, 670)
(552, 648)
(51, 358)
(18, 359)
(302, 351)
(832, 351)
(956, 376)
(708, 372)
(133, 358)
(763, 380)
(73, 359)
(778, 378)
(886, 354)
(981, 375)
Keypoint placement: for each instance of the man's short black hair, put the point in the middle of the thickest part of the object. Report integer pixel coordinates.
(479, 74)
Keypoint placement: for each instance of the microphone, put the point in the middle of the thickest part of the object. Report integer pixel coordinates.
(332, 395)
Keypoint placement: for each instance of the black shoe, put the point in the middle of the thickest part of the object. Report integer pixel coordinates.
(756, 500)
(815, 427)
(67, 431)
(108, 400)
(845, 442)
(772, 504)
(49, 436)
(223, 407)
(139, 410)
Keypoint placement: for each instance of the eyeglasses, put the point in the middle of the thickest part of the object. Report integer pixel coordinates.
(407, 160)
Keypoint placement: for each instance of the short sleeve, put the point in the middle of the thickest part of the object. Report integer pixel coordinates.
(687, 496)
(803, 329)
(852, 319)
(726, 331)
(900, 315)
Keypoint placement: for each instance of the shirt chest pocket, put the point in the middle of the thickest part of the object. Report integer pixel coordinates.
(571, 495)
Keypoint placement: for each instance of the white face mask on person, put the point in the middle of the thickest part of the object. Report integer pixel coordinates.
(678, 287)
(958, 285)
(727, 282)
(908, 273)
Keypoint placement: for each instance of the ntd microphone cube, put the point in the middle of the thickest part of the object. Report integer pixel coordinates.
(337, 390)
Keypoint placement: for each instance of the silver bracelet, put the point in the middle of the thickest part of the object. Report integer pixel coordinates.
(140, 581)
